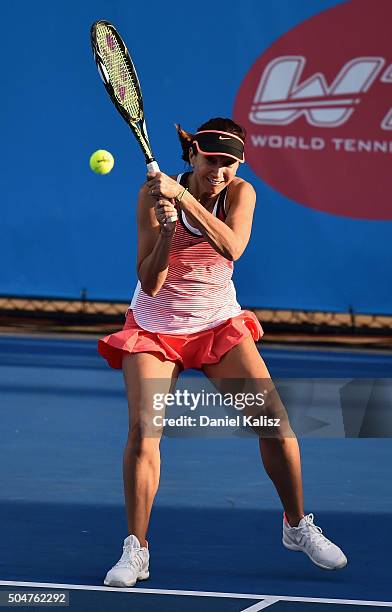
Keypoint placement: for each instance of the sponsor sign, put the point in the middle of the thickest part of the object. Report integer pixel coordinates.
(317, 106)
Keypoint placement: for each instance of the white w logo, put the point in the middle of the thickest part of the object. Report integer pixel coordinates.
(281, 98)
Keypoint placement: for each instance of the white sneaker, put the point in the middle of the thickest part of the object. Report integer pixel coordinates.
(132, 566)
(309, 538)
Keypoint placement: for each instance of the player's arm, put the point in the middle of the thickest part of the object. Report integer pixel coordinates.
(153, 245)
(231, 237)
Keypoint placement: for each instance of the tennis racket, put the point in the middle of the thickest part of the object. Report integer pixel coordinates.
(119, 76)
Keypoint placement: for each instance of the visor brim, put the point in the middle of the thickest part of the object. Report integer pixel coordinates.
(225, 150)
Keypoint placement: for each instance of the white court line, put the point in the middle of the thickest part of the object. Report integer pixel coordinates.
(261, 605)
(89, 587)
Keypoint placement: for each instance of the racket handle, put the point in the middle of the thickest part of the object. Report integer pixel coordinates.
(153, 166)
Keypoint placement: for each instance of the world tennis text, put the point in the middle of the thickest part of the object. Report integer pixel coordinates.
(316, 143)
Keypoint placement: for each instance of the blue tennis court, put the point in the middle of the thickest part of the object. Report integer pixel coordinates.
(215, 535)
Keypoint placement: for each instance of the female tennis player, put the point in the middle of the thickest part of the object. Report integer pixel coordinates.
(184, 314)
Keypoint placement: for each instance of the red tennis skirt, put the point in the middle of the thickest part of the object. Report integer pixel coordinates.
(188, 350)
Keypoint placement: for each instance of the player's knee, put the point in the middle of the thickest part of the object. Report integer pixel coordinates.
(143, 440)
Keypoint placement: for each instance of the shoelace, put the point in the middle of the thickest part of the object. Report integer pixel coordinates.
(317, 539)
(130, 556)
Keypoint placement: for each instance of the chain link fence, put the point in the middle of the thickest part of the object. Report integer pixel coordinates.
(40, 315)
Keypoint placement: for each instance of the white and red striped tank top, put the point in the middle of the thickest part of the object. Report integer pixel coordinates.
(198, 292)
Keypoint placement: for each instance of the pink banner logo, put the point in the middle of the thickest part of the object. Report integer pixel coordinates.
(280, 98)
(318, 119)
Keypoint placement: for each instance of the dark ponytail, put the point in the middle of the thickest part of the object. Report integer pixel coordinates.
(186, 139)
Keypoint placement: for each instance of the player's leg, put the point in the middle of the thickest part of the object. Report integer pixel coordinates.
(280, 453)
(279, 447)
(145, 374)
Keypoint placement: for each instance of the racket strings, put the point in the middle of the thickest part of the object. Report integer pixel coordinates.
(124, 83)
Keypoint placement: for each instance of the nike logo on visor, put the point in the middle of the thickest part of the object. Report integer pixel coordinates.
(224, 138)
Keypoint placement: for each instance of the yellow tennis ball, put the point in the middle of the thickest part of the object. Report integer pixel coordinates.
(101, 162)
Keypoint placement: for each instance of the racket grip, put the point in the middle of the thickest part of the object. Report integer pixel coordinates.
(171, 219)
(153, 166)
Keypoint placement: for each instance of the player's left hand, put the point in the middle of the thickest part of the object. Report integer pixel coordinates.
(162, 186)
(164, 210)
